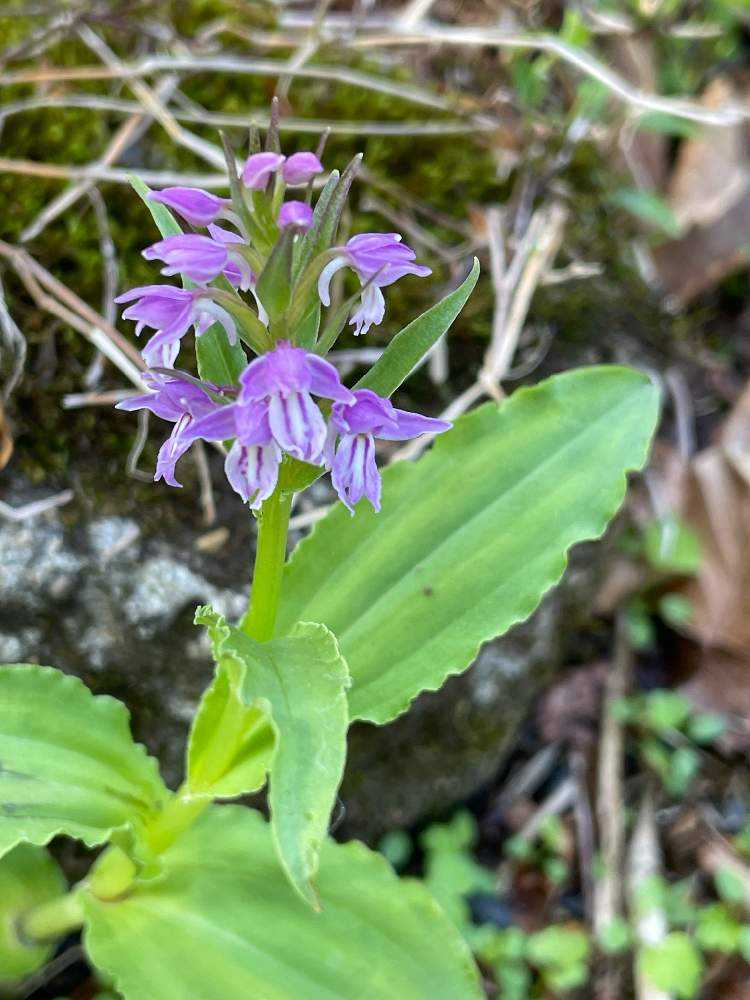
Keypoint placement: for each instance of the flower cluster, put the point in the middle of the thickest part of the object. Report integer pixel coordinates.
(289, 400)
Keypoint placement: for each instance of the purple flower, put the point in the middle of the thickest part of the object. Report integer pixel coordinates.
(180, 400)
(196, 206)
(237, 270)
(295, 213)
(259, 167)
(284, 379)
(171, 312)
(252, 464)
(301, 168)
(198, 258)
(203, 258)
(353, 470)
(378, 259)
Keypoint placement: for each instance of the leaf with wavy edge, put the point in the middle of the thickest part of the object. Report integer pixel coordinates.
(472, 535)
(68, 763)
(299, 683)
(222, 921)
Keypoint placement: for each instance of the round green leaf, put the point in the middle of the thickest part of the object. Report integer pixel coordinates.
(674, 965)
(222, 921)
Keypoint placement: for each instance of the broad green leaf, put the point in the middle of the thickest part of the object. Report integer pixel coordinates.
(218, 360)
(674, 965)
(410, 345)
(472, 535)
(68, 763)
(28, 877)
(649, 207)
(222, 921)
(717, 929)
(299, 684)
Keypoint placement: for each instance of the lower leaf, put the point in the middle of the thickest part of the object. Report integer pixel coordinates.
(68, 763)
(223, 922)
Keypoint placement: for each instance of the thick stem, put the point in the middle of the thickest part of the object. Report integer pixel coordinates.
(273, 525)
(51, 920)
(179, 816)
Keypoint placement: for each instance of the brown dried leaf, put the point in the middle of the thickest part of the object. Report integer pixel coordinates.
(709, 190)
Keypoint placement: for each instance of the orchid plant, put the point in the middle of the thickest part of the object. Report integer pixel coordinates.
(393, 591)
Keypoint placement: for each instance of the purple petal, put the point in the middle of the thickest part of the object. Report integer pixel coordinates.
(259, 167)
(196, 206)
(170, 452)
(296, 213)
(253, 471)
(369, 414)
(301, 168)
(222, 235)
(282, 370)
(355, 473)
(252, 423)
(297, 425)
(411, 425)
(198, 258)
(324, 380)
(219, 425)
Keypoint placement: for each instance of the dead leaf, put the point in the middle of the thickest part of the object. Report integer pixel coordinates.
(708, 191)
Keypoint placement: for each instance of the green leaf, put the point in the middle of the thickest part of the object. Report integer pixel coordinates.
(218, 360)
(410, 345)
(730, 886)
(472, 535)
(68, 763)
(671, 547)
(223, 922)
(683, 767)
(28, 877)
(299, 682)
(674, 965)
(615, 937)
(557, 946)
(706, 727)
(665, 710)
(649, 207)
(717, 929)
(275, 280)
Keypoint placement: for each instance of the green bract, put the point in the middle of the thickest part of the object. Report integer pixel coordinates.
(298, 682)
(223, 921)
(471, 536)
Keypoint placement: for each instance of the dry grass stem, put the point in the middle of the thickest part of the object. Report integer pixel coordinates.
(644, 862)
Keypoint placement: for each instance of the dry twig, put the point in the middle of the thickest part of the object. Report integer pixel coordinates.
(644, 861)
(610, 812)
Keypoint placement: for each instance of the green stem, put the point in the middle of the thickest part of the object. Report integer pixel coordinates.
(273, 525)
(179, 816)
(51, 920)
